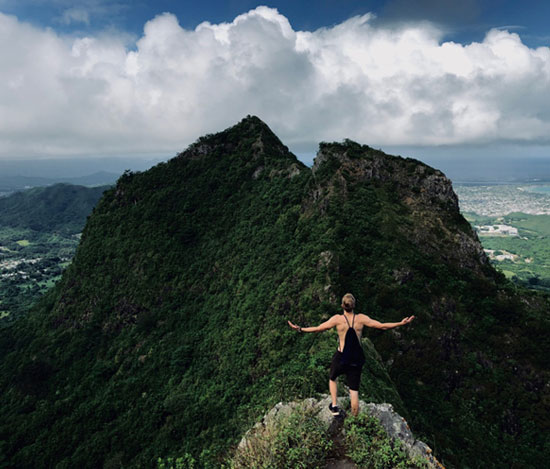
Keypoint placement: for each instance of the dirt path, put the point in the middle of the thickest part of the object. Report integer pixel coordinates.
(337, 458)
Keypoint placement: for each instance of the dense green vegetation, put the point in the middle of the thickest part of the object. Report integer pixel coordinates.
(167, 334)
(531, 267)
(39, 233)
(369, 446)
(298, 439)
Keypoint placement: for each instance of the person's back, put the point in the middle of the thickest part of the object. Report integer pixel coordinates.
(343, 321)
(352, 353)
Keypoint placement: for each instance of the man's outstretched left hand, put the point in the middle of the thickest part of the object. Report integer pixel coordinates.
(294, 326)
(407, 320)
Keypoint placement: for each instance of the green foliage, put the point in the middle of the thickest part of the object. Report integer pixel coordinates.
(185, 462)
(369, 446)
(298, 440)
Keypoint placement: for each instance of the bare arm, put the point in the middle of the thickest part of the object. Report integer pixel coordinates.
(320, 328)
(385, 325)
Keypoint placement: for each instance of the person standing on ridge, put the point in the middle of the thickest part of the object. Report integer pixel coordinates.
(349, 358)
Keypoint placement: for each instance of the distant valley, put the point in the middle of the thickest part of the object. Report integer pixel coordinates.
(513, 224)
(39, 232)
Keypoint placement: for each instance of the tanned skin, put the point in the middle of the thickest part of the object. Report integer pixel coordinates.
(338, 321)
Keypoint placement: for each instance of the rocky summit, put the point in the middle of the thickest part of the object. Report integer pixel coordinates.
(167, 335)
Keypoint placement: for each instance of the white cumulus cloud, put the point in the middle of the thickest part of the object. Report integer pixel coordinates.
(379, 85)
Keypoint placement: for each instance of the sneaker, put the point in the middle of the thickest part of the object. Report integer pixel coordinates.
(335, 410)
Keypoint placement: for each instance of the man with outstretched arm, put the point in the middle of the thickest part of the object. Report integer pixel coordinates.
(349, 357)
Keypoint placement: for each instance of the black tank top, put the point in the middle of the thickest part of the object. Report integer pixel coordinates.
(353, 352)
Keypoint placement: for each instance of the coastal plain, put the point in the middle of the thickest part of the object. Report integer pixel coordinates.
(513, 225)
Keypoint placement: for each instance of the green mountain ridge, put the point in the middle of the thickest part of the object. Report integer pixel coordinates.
(167, 334)
(60, 207)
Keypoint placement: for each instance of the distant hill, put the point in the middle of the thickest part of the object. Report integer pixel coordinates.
(16, 183)
(167, 334)
(53, 208)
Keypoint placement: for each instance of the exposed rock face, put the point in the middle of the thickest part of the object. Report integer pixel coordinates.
(396, 426)
(398, 429)
(430, 184)
(426, 191)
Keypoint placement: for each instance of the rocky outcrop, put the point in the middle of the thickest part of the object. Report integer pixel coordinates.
(396, 427)
(362, 163)
(438, 229)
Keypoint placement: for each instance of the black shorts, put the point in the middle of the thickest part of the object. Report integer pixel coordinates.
(353, 373)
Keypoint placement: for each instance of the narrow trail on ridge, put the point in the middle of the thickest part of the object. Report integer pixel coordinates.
(337, 458)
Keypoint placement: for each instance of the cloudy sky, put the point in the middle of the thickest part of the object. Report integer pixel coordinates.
(429, 77)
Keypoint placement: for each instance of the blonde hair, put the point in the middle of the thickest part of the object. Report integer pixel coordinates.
(348, 302)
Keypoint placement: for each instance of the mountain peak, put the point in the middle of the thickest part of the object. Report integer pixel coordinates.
(251, 141)
(251, 126)
(425, 191)
(253, 122)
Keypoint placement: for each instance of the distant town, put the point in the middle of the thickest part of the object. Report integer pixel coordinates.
(513, 225)
(498, 200)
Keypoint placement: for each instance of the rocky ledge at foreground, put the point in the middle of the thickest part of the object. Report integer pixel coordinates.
(395, 426)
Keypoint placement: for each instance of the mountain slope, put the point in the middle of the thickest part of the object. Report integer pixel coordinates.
(472, 369)
(168, 334)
